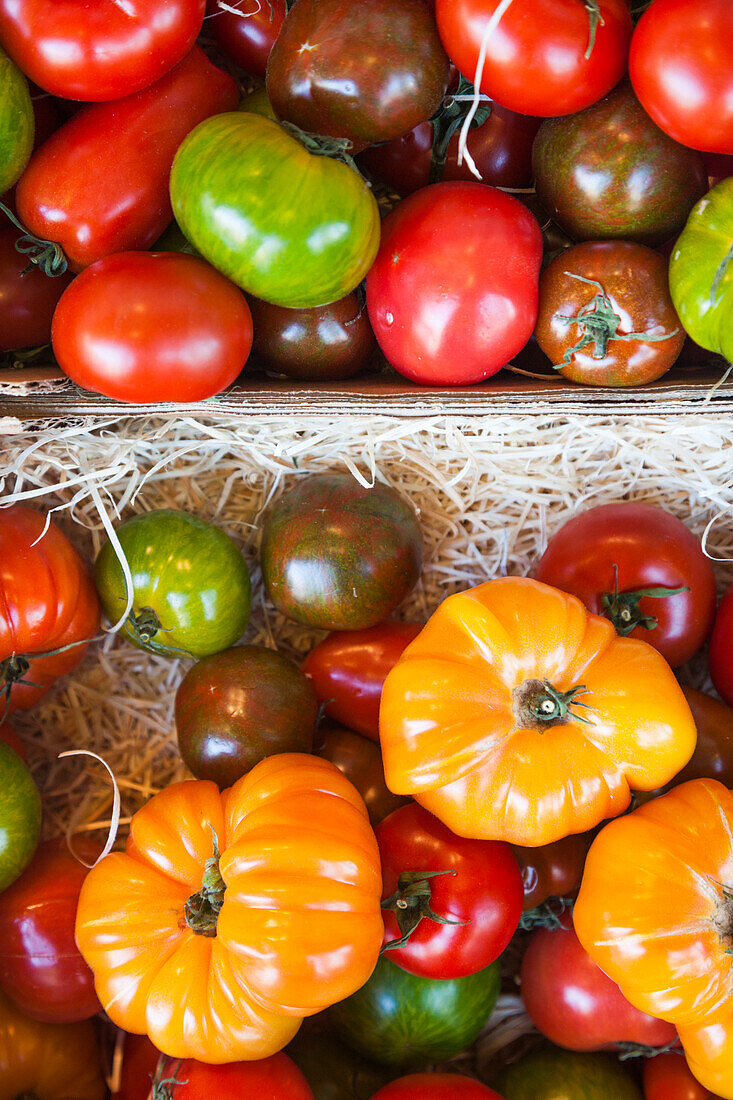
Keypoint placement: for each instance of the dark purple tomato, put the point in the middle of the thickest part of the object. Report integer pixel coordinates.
(367, 72)
(360, 760)
(27, 297)
(326, 343)
(338, 556)
(237, 707)
(246, 38)
(609, 173)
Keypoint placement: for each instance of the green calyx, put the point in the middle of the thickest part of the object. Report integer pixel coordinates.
(47, 255)
(202, 908)
(145, 625)
(449, 119)
(411, 904)
(163, 1086)
(538, 705)
(321, 145)
(622, 608)
(547, 914)
(594, 18)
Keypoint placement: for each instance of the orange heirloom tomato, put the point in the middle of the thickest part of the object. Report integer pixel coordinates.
(517, 715)
(655, 909)
(47, 1061)
(708, 1052)
(220, 959)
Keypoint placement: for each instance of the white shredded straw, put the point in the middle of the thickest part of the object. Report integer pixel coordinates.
(116, 803)
(465, 128)
(119, 554)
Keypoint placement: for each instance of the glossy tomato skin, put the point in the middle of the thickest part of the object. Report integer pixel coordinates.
(399, 1019)
(338, 556)
(482, 891)
(16, 122)
(631, 281)
(237, 707)
(41, 969)
(292, 228)
(140, 1060)
(98, 51)
(27, 298)
(247, 38)
(667, 1077)
(436, 1086)
(680, 68)
(536, 61)
(320, 76)
(348, 669)
(572, 1002)
(453, 255)
(721, 649)
(650, 548)
(20, 816)
(100, 183)
(273, 1078)
(609, 173)
(324, 344)
(555, 1074)
(360, 760)
(152, 326)
(713, 755)
(552, 870)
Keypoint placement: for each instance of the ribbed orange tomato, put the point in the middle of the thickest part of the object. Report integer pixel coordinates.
(517, 715)
(708, 1053)
(219, 959)
(655, 909)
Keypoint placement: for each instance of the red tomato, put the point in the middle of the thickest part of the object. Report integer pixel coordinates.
(274, 1078)
(651, 549)
(40, 966)
(721, 649)
(246, 38)
(572, 1002)
(538, 58)
(667, 1077)
(453, 293)
(681, 70)
(152, 326)
(552, 870)
(79, 50)
(348, 668)
(436, 1086)
(479, 892)
(100, 183)
(139, 1064)
(27, 297)
(10, 737)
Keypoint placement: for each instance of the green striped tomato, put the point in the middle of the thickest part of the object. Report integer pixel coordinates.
(16, 122)
(20, 816)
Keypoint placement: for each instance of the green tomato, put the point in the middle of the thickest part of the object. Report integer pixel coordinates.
(191, 588)
(20, 816)
(701, 271)
(399, 1019)
(16, 122)
(290, 227)
(554, 1074)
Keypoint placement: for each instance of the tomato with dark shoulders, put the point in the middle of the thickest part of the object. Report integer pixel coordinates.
(555, 1074)
(246, 34)
(552, 870)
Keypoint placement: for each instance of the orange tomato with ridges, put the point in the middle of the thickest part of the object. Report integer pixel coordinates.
(517, 715)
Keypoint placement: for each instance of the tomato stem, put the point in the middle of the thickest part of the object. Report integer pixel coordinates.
(47, 255)
(547, 914)
(638, 1050)
(163, 1086)
(594, 18)
(447, 121)
(622, 608)
(537, 705)
(202, 908)
(322, 145)
(411, 904)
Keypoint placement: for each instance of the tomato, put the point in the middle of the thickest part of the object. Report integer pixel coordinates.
(399, 1019)
(237, 707)
(20, 816)
(348, 668)
(49, 609)
(667, 1077)
(273, 1078)
(10, 737)
(247, 34)
(615, 557)
(325, 344)
(608, 173)
(27, 297)
(713, 755)
(519, 687)
(721, 642)
(93, 52)
(452, 295)
(333, 1070)
(140, 1061)
(707, 1051)
(320, 77)
(41, 969)
(16, 122)
(452, 903)
(545, 57)
(572, 1002)
(191, 587)
(152, 326)
(338, 556)
(663, 936)
(701, 274)
(552, 870)
(100, 183)
(436, 1086)
(292, 228)
(606, 317)
(554, 1074)
(203, 945)
(681, 72)
(360, 760)
(48, 1061)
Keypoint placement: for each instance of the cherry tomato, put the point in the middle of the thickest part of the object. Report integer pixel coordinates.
(453, 292)
(273, 1078)
(636, 550)
(552, 870)
(27, 297)
(246, 38)
(348, 669)
(721, 649)
(436, 1086)
(98, 51)
(473, 887)
(572, 1002)
(667, 1077)
(152, 326)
